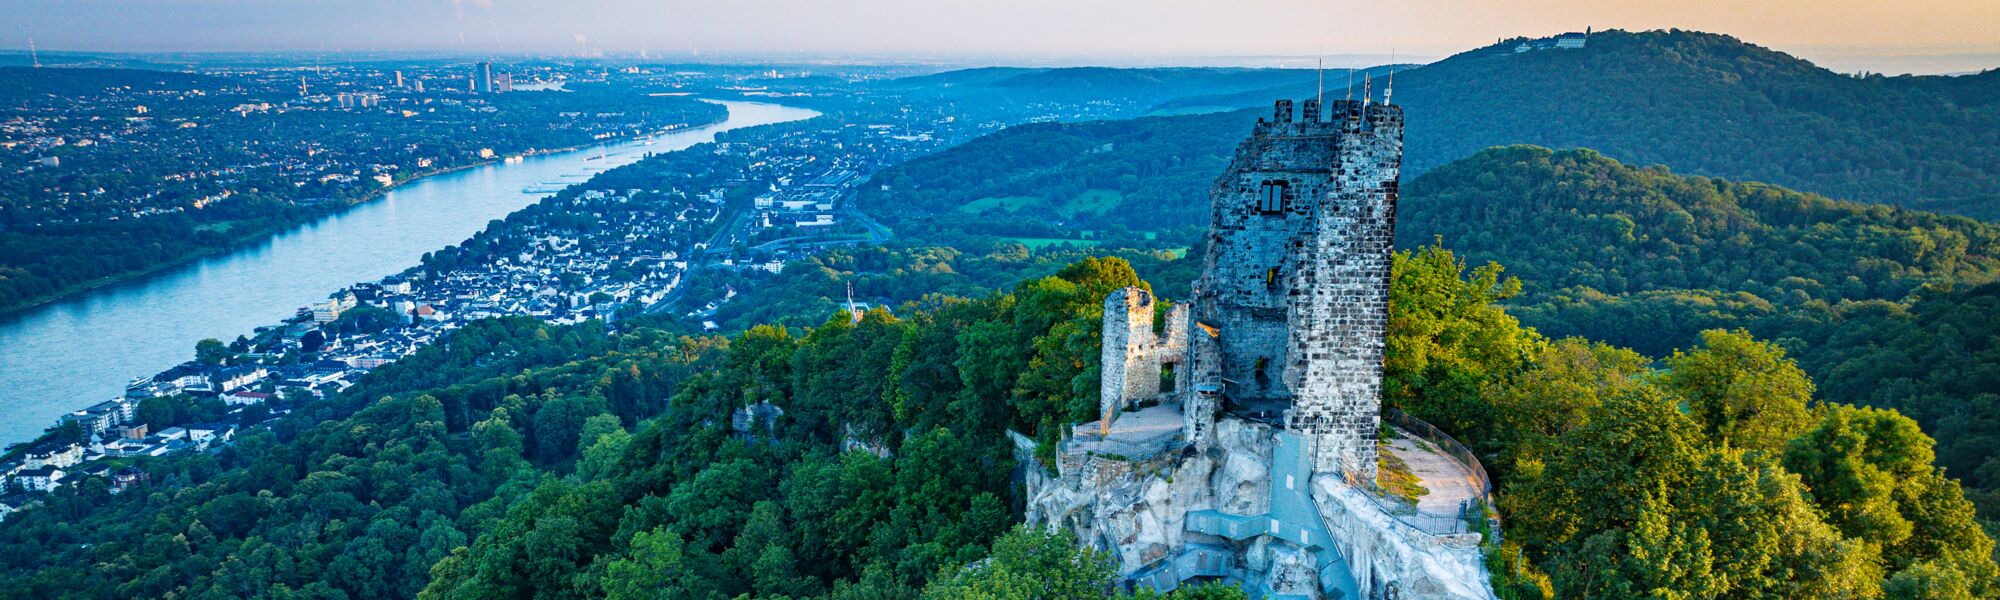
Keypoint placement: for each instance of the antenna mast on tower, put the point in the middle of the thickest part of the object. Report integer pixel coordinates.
(1391, 90)
(1321, 97)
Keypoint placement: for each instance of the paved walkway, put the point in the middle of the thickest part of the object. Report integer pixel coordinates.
(1135, 435)
(1450, 482)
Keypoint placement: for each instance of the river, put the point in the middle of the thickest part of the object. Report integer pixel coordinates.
(69, 354)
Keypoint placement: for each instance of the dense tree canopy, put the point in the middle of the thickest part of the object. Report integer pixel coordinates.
(517, 459)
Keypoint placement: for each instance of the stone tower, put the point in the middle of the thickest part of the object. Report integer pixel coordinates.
(1133, 355)
(1292, 306)
(1129, 371)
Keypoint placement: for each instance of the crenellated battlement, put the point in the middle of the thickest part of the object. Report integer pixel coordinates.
(1332, 118)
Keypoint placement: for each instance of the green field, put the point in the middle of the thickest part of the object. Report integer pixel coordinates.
(1006, 203)
(1093, 202)
(1040, 243)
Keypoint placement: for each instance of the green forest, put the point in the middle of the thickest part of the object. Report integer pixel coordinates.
(517, 459)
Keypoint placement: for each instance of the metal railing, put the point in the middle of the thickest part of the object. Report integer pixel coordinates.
(1465, 521)
(1473, 516)
(1128, 449)
(1445, 442)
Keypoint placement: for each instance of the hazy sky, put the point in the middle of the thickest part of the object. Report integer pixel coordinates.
(1107, 30)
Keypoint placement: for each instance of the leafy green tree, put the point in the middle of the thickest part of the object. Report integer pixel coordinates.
(1553, 395)
(1031, 563)
(1742, 391)
(155, 413)
(1632, 445)
(1446, 336)
(655, 569)
(210, 351)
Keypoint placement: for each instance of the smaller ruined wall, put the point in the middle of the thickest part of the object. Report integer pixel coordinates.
(1173, 344)
(1129, 370)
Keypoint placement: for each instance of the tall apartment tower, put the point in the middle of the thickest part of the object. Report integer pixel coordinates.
(1292, 306)
(483, 78)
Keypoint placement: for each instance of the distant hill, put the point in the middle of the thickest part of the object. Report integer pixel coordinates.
(1734, 110)
(1707, 104)
(25, 84)
(1114, 92)
(1646, 258)
(1052, 179)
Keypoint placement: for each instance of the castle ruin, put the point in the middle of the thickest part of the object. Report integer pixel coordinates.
(1254, 461)
(1289, 314)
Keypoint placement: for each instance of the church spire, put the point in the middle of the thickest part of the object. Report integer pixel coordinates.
(853, 311)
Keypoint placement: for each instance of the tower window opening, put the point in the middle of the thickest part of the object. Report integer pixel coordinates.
(1271, 197)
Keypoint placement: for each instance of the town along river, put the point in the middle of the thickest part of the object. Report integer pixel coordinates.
(69, 354)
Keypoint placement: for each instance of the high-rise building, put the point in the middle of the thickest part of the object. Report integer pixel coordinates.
(482, 78)
(503, 83)
(399, 80)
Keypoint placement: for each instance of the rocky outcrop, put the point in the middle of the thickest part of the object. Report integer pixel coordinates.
(1389, 558)
(1139, 514)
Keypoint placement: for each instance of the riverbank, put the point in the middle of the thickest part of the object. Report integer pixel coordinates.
(76, 352)
(266, 233)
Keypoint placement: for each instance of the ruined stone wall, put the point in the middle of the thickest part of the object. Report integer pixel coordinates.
(1129, 369)
(1260, 207)
(1340, 310)
(1173, 346)
(1295, 281)
(1199, 400)
(1388, 558)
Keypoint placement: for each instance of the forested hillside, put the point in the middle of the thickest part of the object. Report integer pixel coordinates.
(1707, 104)
(527, 461)
(1754, 255)
(1700, 103)
(1055, 180)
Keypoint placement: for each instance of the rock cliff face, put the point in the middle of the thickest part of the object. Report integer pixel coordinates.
(1139, 513)
(1392, 559)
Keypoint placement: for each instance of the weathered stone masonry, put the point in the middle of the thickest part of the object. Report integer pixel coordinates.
(1254, 467)
(1294, 293)
(1133, 355)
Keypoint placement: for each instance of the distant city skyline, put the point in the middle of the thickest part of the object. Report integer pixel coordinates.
(1925, 36)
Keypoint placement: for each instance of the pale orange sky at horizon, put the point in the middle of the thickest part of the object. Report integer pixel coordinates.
(1027, 29)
